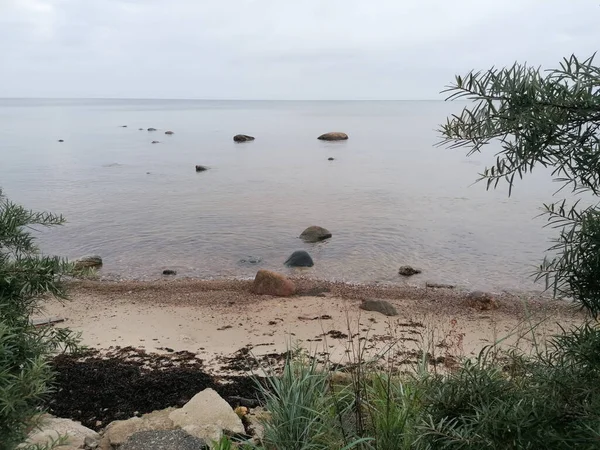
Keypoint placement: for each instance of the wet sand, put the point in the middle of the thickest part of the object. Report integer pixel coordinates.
(218, 319)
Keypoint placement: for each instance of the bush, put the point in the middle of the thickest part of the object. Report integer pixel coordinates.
(25, 278)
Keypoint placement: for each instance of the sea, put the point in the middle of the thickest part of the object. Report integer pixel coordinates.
(392, 196)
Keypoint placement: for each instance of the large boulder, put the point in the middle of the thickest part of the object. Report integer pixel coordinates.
(87, 262)
(207, 416)
(408, 271)
(163, 440)
(271, 283)
(300, 258)
(51, 428)
(315, 234)
(243, 138)
(381, 306)
(117, 432)
(333, 136)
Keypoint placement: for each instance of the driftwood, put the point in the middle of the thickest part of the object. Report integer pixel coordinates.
(46, 321)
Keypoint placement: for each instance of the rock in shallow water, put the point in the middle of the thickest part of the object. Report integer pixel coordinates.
(201, 168)
(169, 132)
(315, 233)
(300, 258)
(243, 138)
(407, 271)
(333, 136)
(271, 283)
(251, 260)
(169, 272)
(381, 306)
(88, 261)
(151, 129)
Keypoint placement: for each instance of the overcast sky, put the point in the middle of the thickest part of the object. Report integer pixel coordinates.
(277, 49)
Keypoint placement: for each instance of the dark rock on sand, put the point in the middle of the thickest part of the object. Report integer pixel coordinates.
(381, 306)
(163, 440)
(169, 272)
(88, 261)
(243, 138)
(61, 140)
(407, 271)
(151, 129)
(330, 159)
(169, 132)
(201, 168)
(251, 260)
(315, 234)
(484, 301)
(300, 258)
(271, 283)
(333, 136)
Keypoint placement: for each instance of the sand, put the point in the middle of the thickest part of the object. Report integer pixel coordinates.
(216, 319)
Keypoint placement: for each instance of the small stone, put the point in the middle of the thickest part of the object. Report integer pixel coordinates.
(151, 129)
(483, 301)
(251, 260)
(90, 443)
(169, 132)
(88, 262)
(61, 140)
(330, 159)
(155, 142)
(408, 271)
(300, 258)
(381, 306)
(243, 138)
(315, 234)
(123, 126)
(169, 272)
(201, 168)
(141, 129)
(333, 136)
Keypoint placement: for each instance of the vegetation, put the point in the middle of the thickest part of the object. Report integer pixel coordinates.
(547, 398)
(25, 278)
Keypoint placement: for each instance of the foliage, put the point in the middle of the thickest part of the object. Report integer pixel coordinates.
(25, 278)
(552, 120)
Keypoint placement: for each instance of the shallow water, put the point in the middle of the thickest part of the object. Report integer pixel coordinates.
(390, 198)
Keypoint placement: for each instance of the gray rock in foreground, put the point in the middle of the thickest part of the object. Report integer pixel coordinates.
(315, 234)
(300, 258)
(163, 440)
(333, 136)
(243, 138)
(381, 306)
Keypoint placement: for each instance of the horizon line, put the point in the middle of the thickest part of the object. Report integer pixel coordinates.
(226, 99)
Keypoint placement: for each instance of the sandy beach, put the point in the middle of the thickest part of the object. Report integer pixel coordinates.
(217, 319)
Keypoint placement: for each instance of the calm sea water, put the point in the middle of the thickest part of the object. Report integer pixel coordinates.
(390, 197)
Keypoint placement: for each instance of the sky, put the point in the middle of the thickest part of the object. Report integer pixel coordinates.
(278, 49)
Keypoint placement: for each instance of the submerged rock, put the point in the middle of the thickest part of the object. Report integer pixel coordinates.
(169, 132)
(271, 283)
(251, 260)
(61, 140)
(243, 138)
(141, 129)
(333, 136)
(156, 142)
(123, 126)
(315, 233)
(407, 271)
(381, 306)
(201, 168)
(330, 159)
(169, 272)
(300, 258)
(151, 129)
(88, 261)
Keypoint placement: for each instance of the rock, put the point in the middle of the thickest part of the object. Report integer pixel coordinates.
(255, 419)
(117, 432)
(155, 142)
(51, 428)
(243, 138)
(151, 129)
(315, 234)
(300, 258)
(271, 283)
(169, 272)
(88, 261)
(201, 168)
(90, 443)
(251, 260)
(141, 129)
(206, 415)
(330, 159)
(407, 271)
(169, 132)
(381, 306)
(123, 126)
(163, 440)
(333, 136)
(61, 140)
(483, 301)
